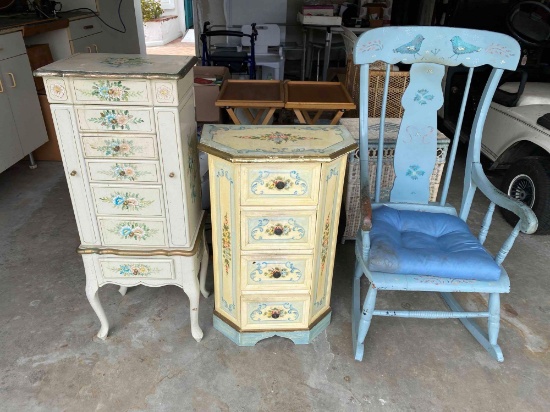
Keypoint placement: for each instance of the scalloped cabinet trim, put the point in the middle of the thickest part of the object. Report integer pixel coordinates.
(274, 225)
(128, 145)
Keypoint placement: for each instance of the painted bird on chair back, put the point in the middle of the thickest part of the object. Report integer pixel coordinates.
(412, 47)
(461, 47)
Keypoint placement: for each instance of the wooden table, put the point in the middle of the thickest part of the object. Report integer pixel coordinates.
(263, 95)
(303, 97)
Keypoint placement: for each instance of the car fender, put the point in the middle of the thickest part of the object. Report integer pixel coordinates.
(512, 132)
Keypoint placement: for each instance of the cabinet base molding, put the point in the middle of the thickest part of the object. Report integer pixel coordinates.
(250, 338)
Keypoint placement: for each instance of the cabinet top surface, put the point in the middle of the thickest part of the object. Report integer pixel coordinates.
(120, 66)
(255, 144)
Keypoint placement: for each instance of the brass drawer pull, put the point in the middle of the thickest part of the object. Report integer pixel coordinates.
(12, 80)
(96, 49)
(172, 174)
(73, 173)
(89, 49)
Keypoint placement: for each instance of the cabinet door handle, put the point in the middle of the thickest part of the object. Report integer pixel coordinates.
(73, 173)
(1, 87)
(88, 27)
(89, 49)
(172, 174)
(96, 49)
(12, 80)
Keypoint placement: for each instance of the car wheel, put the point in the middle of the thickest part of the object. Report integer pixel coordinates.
(528, 180)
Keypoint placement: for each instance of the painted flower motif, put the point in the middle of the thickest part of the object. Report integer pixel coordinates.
(415, 172)
(118, 200)
(125, 61)
(133, 230)
(164, 93)
(324, 243)
(276, 272)
(282, 312)
(423, 97)
(134, 270)
(278, 229)
(117, 147)
(499, 49)
(116, 119)
(124, 171)
(374, 45)
(58, 91)
(127, 201)
(226, 244)
(278, 137)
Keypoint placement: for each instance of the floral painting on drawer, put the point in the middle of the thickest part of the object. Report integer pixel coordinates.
(118, 147)
(116, 119)
(111, 91)
(127, 201)
(138, 269)
(133, 230)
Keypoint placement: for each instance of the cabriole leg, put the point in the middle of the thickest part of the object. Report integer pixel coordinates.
(192, 291)
(91, 293)
(204, 269)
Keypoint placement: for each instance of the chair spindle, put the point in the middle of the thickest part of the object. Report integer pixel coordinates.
(380, 156)
(486, 223)
(507, 245)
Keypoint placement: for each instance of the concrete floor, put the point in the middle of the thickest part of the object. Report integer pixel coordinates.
(50, 360)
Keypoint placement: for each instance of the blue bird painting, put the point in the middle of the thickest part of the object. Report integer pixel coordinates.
(412, 47)
(461, 47)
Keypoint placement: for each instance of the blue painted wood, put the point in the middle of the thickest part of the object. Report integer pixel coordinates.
(301, 337)
(449, 46)
(381, 129)
(429, 49)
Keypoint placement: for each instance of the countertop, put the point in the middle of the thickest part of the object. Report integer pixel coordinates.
(10, 23)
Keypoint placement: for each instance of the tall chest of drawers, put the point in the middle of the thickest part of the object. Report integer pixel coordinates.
(275, 201)
(127, 134)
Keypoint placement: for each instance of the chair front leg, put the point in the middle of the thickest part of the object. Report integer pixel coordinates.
(493, 323)
(364, 322)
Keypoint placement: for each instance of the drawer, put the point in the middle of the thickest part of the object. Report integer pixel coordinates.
(11, 45)
(132, 232)
(84, 27)
(135, 268)
(109, 147)
(115, 119)
(134, 172)
(130, 201)
(280, 184)
(276, 272)
(274, 312)
(278, 231)
(111, 90)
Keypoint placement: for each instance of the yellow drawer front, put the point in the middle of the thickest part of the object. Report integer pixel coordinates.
(123, 172)
(115, 119)
(130, 201)
(273, 272)
(274, 312)
(278, 231)
(280, 185)
(134, 268)
(133, 232)
(111, 91)
(117, 147)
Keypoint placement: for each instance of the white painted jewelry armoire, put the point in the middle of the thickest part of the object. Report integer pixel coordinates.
(127, 133)
(275, 196)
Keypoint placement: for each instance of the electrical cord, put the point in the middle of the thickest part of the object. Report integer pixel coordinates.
(103, 21)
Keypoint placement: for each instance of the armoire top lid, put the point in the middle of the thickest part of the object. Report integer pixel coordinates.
(133, 66)
(257, 144)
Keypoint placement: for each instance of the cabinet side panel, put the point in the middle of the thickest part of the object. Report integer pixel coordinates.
(79, 188)
(224, 192)
(332, 180)
(173, 175)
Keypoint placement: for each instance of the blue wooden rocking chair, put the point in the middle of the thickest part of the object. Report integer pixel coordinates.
(405, 242)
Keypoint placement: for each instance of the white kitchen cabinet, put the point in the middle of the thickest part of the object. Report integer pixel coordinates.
(21, 121)
(128, 140)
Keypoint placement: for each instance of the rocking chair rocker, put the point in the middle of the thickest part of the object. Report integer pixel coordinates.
(405, 242)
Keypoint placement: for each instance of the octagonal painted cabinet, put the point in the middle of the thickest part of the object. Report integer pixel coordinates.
(275, 203)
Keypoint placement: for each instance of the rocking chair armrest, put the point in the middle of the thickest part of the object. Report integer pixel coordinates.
(528, 219)
(366, 211)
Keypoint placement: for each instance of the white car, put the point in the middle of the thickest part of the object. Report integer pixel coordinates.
(513, 139)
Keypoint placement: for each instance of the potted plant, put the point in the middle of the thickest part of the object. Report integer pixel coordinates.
(159, 30)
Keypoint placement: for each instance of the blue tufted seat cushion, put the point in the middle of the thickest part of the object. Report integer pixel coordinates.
(423, 243)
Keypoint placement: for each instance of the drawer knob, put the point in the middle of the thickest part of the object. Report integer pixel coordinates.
(278, 231)
(276, 274)
(280, 185)
(73, 173)
(275, 313)
(172, 174)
